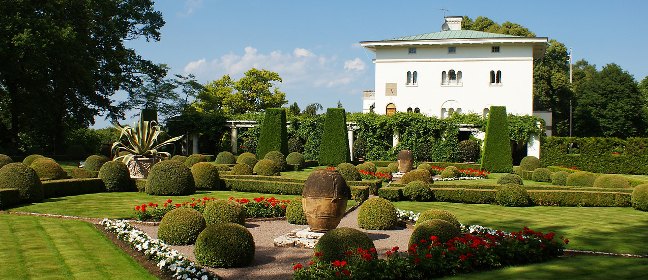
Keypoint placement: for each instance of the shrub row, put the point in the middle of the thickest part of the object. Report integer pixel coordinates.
(373, 185)
(455, 164)
(9, 198)
(67, 187)
(358, 192)
(490, 186)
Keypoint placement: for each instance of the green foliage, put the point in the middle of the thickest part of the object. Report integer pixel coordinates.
(278, 158)
(181, 226)
(450, 172)
(179, 158)
(335, 243)
(94, 162)
(579, 198)
(4, 160)
(512, 195)
(581, 178)
(335, 145)
(141, 140)
(417, 175)
(223, 211)
(48, 169)
(433, 214)
(225, 245)
(82, 173)
(226, 158)
(443, 230)
(425, 166)
(497, 146)
(640, 197)
(115, 177)
(266, 167)
(378, 214)
(391, 193)
(9, 198)
(359, 193)
(393, 167)
(542, 175)
(170, 178)
(24, 179)
(418, 191)
(295, 159)
(68, 187)
(384, 170)
(510, 179)
(193, 159)
(242, 169)
(559, 178)
(206, 176)
(367, 166)
(30, 159)
(295, 213)
(247, 158)
(529, 163)
(348, 172)
(274, 135)
(613, 181)
(264, 186)
(468, 151)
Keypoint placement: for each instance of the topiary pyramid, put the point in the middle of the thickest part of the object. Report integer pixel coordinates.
(274, 135)
(335, 146)
(497, 157)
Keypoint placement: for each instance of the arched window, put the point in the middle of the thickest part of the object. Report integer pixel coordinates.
(492, 77)
(444, 78)
(485, 113)
(414, 77)
(443, 113)
(498, 77)
(452, 76)
(417, 110)
(458, 111)
(459, 74)
(409, 77)
(409, 110)
(391, 109)
(450, 112)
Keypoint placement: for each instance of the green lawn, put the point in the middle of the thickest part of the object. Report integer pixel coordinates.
(48, 248)
(302, 174)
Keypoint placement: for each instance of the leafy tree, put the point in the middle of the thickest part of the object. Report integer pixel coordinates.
(294, 109)
(311, 109)
(551, 91)
(643, 87)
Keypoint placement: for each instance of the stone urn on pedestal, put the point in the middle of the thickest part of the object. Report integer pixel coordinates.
(405, 161)
(139, 167)
(324, 199)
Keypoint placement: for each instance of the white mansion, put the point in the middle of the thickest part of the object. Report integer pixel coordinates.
(453, 70)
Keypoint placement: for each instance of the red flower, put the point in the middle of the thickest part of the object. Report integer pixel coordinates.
(137, 208)
(428, 256)
(150, 204)
(318, 254)
(463, 258)
(258, 199)
(395, 248)
(367, 257)
(348, 253)
(338, 263)
(298, 266)
(566, 241)
(178, 205)
(169, 200)
(346, 272)
(434, 238)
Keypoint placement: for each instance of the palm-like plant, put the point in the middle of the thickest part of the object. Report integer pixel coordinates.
(140, 141)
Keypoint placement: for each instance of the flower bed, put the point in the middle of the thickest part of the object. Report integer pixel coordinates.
(166, 258)
(464, 173)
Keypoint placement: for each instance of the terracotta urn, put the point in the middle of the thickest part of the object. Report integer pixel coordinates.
(324, 199)
(405, 161)
(140, 167)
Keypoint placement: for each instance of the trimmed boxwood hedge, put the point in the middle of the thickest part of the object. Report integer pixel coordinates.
(30, 159)
(181, 226)
(224, 211)
(295, 213)
(48, 169)
(443, 230)
(225, 245)
(18, 176)
(335, 144)
(247, 158)
(512, 195)
(274, 134)
(497, 155)
(115, 177)
(579, 198)
(639, 197)
(193, 159)
(529, 163)
(542, 175)
(334, 244)
(82, 173)
(359, 193)
(391, 193)
(94, 162)
(9, 198)
(559, 178)
(225, 158)
(68, 187)
(378, 214)
(5, 159)
(612, 181)
(581, 178)
(170, 178)
(206, 176)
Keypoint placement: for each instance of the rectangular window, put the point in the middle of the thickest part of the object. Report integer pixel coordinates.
(495, 49)
(452, 49)
(411, 51)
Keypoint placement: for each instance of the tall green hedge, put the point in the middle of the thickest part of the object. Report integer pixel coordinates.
(335, 144)
(497, 145)
(274, 135)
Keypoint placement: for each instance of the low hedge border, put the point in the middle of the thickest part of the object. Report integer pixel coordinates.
(358, 193)
(455, 164)
(439, 184)
(9, 198)
(373, 185)
(67, 187)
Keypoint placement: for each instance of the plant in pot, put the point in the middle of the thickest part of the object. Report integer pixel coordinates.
(138, 147)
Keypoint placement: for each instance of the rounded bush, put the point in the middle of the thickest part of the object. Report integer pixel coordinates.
(559, 178)
(417, 175)
(48, 169)
(581, 179)
(181, 226)
(377, 213)
(393, 167)
(529, 163)
(368, 167)
(295, 213)
(4, 160)
(613, 181)
(278, 158)
(30, 159)
(348, 172)
(225, 158)
(242, 169)
(512, 195)
(179, 158)
(426, 166)
(224, 211)
(640, 197)
(295, 144)
(247, 158)
(225, 245)
(18, 176)
(418, 191)
(541, 175)
(222, 167)
(170, 178)
(432, 214)
(469, 150)
(206, 176)
(510, 179)
(295, 158)
(115, 176)
(94, 162)
(335, 243)
(193, 159)
(383, 170)
(443, 230)
(450, 172)
(266, 167)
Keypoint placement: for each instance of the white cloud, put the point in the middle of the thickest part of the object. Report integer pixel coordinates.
(354, 65)
(191, 6)
(299, 52)
(194, 66)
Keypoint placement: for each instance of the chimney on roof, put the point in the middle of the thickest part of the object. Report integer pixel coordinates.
(452, 23)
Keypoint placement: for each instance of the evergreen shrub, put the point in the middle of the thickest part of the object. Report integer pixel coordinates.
(426, 166)
(443, 230)
(367, 166)
(179, 158)
(94, 162)
(225, 158)
(497, 155)
(469, 150)
(224, 211)
(82, 173)
(181, 226)
(48, 169)
(418, 191)
(170, 178)
(224, 167)
(115, 176)
(30, 159)
(384, 170)
(4, 160)
(640, 197)
(334, 244)
(274, 134)
(242, 169)
(225, 245)
(542, 175)
(377, 213)
(613, 181)
(18, 176)
(417, 175)
(559, 178)
(581, 179)
(512, 195)
(295, 159)
(348, 172)
(529, 163)
(193, 159)
(295, 213)
(278, 158)
(510, 179)
(450, 172)
(335, 145)
(206, 176)
(266, 167)
(393, 167)
(247, 158)
(432, 214)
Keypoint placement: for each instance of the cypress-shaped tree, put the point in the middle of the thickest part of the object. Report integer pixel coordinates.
(274, 135)
(497, 144)
(335, 146)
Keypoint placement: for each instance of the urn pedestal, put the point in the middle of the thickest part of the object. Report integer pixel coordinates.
(139, 168)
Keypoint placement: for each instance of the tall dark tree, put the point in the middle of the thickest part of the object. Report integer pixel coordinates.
(311, 109)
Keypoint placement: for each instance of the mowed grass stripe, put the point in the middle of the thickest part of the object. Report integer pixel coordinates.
(11, 258)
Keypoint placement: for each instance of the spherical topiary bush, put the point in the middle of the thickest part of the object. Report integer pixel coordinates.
(417, 175)
(4, 160)
(581, 179)
(115, 177)
(48, 169)
(181, 226)
(541, 175)
(18, 176)
(418, 191)
(295, 213)
(613, 181)
(443, 230)
(179, 158)
(367, 167)
(640, 197)
(247, 158)
(278, 158)
(225, 158)
(348, 172)
(193, 159)
(94, 162)
(559, 178)
(469, 150)
(510, 179)
(450, 172)
(384, 171)
(393, 167)
(529, 163)
(206, 176)
(266, 167)
(334, 244)
(432, 214)
(224, 167)
(295, 158)
(225, 245)
(512, 195)
(170, 178)
(426, 166)
(224, 211)
(377, 213)
(30, 159)
(242, 169)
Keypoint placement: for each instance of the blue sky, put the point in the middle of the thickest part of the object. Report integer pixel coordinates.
(313, 45)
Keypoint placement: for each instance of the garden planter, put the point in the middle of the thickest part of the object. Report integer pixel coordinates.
(405, 161)
(140, 167)
(324, 200)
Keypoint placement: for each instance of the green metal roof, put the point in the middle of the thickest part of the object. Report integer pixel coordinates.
(452, 34)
